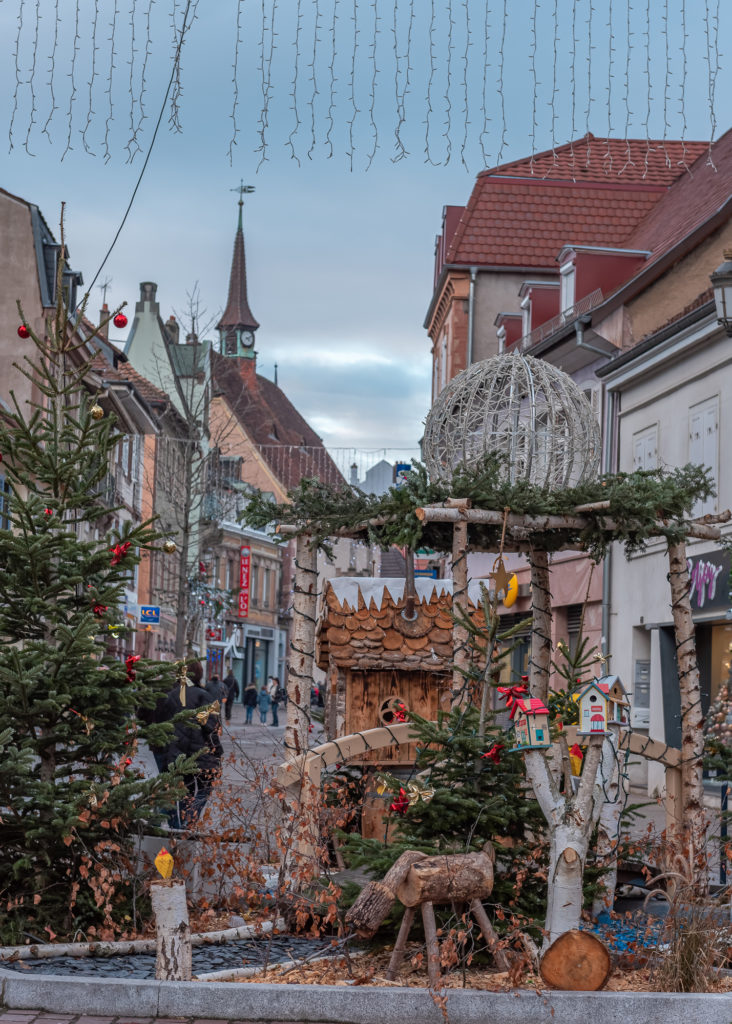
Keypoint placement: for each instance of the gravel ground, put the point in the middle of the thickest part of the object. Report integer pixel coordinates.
(239, 953)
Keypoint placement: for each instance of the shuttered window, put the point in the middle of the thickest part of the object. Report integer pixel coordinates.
(704, 445)
(645, 448)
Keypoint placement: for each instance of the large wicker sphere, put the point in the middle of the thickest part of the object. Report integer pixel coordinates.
(526, 411)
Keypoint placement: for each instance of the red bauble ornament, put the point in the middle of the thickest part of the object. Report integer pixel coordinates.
(48, 511)
(120, 320)
(23, 332)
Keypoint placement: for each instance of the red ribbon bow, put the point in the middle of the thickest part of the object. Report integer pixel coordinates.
(401, 803)
(119, 551)
(512, 693)
(494, 753)
(99, 610)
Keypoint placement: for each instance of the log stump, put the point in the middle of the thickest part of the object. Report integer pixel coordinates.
(576, 962)
(377, 898)
(173, 932)
(454, 878)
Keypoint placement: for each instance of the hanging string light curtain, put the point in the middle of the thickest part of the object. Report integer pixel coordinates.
(443, 81)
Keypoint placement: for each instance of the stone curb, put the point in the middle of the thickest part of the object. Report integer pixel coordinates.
(327, 1004)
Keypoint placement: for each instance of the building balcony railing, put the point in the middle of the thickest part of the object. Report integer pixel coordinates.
(549, 327)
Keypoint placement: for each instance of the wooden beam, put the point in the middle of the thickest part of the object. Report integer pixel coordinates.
(516, 521)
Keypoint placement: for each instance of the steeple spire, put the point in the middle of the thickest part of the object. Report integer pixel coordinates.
(237, 325)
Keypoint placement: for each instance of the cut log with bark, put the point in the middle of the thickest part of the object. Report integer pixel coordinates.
(692, 716)
(302, 648)
(576, 962)
(458, 878)
(377, 898)
(173, 932)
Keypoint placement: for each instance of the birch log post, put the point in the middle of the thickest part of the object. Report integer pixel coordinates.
(302, 648)
(173, 932)
(540, 658)
(571, 819)
(608, 826)
(692, 718)
(460, 646)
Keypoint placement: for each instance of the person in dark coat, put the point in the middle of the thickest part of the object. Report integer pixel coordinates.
(250, 702)
(232, 692)
(197, 735)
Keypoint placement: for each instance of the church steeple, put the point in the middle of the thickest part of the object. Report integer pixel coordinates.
(237, 325)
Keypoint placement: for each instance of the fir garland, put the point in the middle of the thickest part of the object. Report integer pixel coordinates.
(636, 502)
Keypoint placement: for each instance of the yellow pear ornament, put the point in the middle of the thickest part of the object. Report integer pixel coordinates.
(164, 863)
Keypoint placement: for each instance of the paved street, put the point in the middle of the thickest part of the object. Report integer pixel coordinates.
(37, 1017)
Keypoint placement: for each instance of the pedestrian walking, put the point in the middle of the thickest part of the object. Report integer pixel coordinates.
(250, 702)
(216, 688)
(232, 693)
(264, 701)
(275, 692)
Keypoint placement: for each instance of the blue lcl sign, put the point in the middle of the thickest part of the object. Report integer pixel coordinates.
(149, 613)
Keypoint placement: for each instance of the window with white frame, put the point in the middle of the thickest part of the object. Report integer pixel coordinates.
(566, 286)
(525, 316)
(704, 445)
(645, 448)
(443, 362)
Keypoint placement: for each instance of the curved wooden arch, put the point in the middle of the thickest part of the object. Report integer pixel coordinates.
(308, 767)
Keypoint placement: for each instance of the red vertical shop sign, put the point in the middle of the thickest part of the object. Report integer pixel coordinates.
(245, 557)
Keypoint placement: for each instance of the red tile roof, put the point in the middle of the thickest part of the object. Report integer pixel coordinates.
(650, 162)
(126, 373)
(285, 440)
(589, 192)
(693, 199)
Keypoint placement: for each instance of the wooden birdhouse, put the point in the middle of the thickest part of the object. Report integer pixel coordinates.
(593, 710)
(531, 724)
(618, 711)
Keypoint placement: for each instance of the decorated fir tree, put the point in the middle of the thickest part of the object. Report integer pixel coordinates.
(469, 788)
(70, 797)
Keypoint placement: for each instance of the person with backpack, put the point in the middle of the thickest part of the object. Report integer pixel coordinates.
(198, 735)
(264, 700)
(250, 702)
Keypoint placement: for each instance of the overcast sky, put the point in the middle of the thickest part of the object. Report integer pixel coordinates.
(339, 249)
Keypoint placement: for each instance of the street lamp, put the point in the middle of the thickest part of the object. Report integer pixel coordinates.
(722, 284)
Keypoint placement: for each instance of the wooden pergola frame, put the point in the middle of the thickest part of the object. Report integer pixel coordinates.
(527, 534)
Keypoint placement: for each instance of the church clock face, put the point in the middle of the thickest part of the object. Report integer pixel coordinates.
(247, 338)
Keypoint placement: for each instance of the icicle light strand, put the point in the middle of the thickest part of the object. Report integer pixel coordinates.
(93, 75)
(333, 80)
(31, 80)
(235, 85)
(374, 74)
(293, 85)
(72, 76)
(18, 78)
(314, 79)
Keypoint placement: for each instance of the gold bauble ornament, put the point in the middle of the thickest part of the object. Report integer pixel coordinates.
(170, 547)
(96, 412)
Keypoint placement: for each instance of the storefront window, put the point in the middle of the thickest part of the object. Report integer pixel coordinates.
(721, 658)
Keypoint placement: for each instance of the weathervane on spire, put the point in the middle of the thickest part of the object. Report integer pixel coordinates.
(243, 190)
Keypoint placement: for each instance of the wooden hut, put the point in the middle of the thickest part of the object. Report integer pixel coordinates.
(381, 661)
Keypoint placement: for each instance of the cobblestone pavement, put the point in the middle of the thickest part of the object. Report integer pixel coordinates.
(40, 1017)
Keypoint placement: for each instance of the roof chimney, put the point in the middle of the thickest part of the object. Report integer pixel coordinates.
(104, 322)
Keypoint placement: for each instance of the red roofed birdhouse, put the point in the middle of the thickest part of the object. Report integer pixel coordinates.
(531, 724)
(593, 704)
